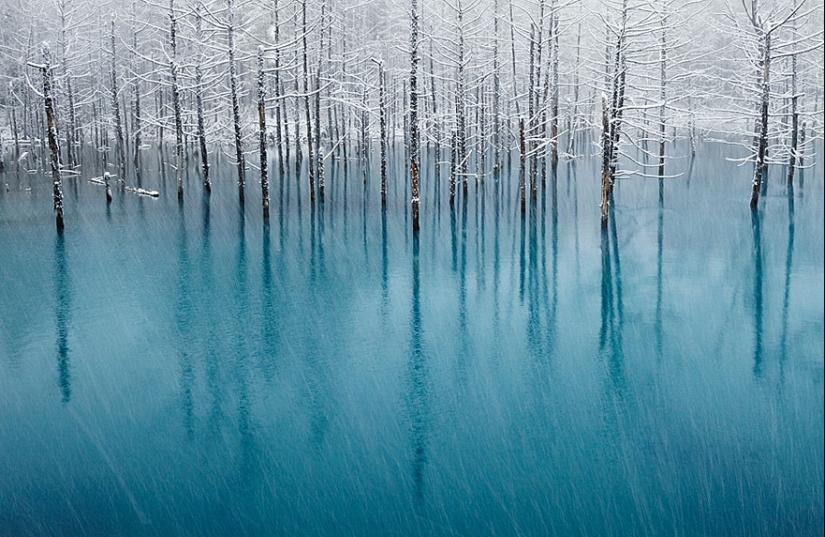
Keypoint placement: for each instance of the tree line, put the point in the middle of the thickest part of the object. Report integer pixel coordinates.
(474, 84)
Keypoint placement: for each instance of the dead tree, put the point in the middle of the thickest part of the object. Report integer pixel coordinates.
(51, 125)
(176, 106)
(280, 112)
(763, 35)
(121, 150)
(554, 101)
(310, 157)
(233, 90)
(136, 119)
(415, 150)
(207, 185)
(605, 203)
(262, 131)
(319, 169)
(662, 95)
(496, 95)
(382, 120)
(794, 103)
(64, 12)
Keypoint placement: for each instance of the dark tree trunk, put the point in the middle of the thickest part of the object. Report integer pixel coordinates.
(415, 150)
(310, 157)
(176, 105)
(121, 149)
(382, 118)
(51, 125)
(762, 141)
(207, 185)
(606, 157)
(233, 89)
(262, 132)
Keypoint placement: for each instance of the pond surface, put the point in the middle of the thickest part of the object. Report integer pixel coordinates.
(188, 369)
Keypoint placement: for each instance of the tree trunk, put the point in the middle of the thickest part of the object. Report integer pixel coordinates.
(574, 119)
(136, 123)
(121, 150)
(382, 118)
(762, 142)
(794, 107)
(415, 150)
(262, 132)
(606, 159)
(207, 185)
(319, 151)
(662, 96)
(173, 71)
(554, 122)
(51, 122)
(298, 151)
(280, 114)
(522, 170)
(531, 110)
(436, 120)
(461, 139)
(233, 90)
(310, 157)
(453, 165)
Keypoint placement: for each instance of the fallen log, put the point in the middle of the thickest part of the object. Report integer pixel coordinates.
(143, 192)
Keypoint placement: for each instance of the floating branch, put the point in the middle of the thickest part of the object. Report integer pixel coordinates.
(143, 192)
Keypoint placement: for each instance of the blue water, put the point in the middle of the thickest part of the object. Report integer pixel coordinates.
(188, 369)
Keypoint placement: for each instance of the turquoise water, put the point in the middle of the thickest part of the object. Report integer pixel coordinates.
(189, 369)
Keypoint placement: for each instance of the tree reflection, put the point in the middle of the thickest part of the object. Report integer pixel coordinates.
(418, 397)
(612, 315)
(317, 381)
(658, 329)
(384, 263)
(463, 323)
(213, 363)
(269, 333)
(62, 306)
(521, 256)
(183, 321)
(534, 345)
(758, 275)
(554, 275)
(241, 381)
(496, 254)
(786, 295)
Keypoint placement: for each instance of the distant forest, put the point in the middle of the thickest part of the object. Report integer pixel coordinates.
(473, 82)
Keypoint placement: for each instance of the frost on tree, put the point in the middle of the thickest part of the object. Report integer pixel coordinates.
(51, 129)
(121, 149)
(207, 184)
(262, 132)
(233, 90)
(176, 106)
(415, 150)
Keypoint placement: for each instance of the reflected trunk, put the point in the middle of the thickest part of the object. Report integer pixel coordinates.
(612, 314)
(418, 401)
(758, 263)
(659, 243)
(788, 265)
(183, 322)
(62, 287)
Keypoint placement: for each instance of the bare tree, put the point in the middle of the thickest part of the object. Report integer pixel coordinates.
(121, 149)
(233, 90)
(262, 132)
(415, 150)
(176, 104)
(51, 121)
